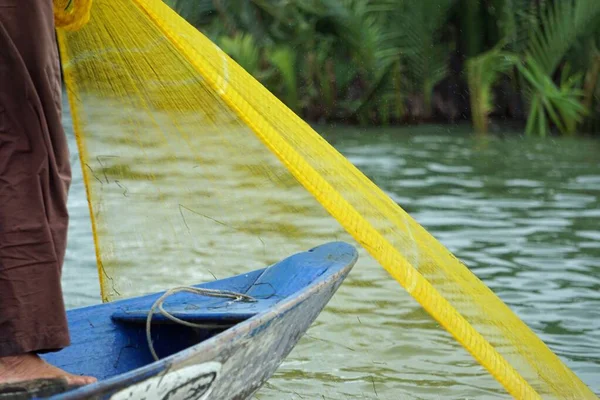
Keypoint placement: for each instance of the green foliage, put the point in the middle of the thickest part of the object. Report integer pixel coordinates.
(559, 104)
(544, 36)
(388, 61)
(413, 30)
(561, 25)
(284, 59)
(482, 72)
(196, 12)
(516, 20)
(243, 49)
(472, 27)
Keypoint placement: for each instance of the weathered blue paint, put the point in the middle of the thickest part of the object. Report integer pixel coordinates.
(108, 340)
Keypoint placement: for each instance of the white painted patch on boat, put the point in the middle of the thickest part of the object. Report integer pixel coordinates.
(194, 382)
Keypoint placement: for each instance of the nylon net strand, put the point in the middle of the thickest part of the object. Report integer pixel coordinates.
(186, 156)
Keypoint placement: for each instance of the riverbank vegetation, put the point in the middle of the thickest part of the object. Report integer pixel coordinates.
(379, 62)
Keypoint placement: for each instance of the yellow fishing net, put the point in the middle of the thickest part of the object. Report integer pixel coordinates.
(193, 153)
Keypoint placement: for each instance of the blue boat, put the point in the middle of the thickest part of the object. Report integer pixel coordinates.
(218, 340)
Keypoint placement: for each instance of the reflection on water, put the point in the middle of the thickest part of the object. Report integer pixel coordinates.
(522, 214)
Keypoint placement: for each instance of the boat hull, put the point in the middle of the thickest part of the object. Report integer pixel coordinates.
(236, 362)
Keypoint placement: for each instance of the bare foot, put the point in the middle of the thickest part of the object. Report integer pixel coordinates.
(30, 366)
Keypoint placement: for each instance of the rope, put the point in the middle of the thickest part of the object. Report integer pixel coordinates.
(202, 292)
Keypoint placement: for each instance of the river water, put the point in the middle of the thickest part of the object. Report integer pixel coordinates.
(521, 213)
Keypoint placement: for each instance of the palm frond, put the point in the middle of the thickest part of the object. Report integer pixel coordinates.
(560, 105)
(561, 25)
(284, 59)
(412, 29)
(482, 73)
(243, 49)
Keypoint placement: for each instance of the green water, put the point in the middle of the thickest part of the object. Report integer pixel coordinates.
(522, 214)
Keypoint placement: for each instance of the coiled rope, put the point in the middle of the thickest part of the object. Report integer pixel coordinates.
(202, 292)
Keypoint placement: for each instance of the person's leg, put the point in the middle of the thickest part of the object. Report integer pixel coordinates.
(34, 180)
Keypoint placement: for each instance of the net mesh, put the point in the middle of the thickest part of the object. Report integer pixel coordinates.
(193, 153)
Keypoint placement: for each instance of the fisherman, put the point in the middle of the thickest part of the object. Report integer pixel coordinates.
(35, 175)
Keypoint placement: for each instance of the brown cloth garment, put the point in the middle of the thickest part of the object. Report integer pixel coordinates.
(35, 175)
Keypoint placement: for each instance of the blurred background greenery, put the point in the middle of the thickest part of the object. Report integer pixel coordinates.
(533, 64)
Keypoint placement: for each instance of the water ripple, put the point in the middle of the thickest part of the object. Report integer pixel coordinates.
(523, 214)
